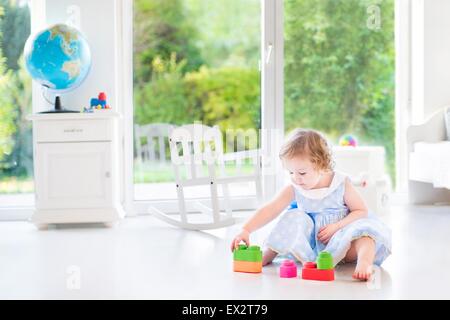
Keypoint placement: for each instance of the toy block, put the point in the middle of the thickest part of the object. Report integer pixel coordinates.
(247, 259)
(288, 269)
(102, 96)
(94, 102)
(324, 261)
(244, 253)
(310, 272)
(247, 266)
(102, 103)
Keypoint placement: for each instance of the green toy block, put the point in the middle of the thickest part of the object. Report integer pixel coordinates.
(244, 253)
(324, 261)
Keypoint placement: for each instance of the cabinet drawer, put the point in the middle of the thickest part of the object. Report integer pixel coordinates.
(70, 130)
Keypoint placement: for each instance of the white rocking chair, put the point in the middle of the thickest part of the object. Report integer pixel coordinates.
(153, 150)
(202, 146)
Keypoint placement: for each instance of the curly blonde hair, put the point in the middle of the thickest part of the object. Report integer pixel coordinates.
(310, 144)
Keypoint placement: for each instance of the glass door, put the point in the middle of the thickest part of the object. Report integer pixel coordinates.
(194, 61)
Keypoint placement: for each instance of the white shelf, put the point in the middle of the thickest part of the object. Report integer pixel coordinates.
(103, 114)
(76, 168)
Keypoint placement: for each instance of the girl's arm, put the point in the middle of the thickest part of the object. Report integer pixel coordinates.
(271, 210)
(264, 215)
(356, 206)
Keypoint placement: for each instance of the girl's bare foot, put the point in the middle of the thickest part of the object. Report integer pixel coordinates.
(363, 251)
(363, 270)
(268, 257)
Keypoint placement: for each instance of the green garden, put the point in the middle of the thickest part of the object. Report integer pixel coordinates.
(198, 61)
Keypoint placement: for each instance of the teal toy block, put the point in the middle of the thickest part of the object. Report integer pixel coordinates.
(244, 253)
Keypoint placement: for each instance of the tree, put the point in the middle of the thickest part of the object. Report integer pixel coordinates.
(228, 32)
(228, 97)
(171, 87)
(20, 160)
(15, 92)
(7, 111)
(15, 27)
(162, 28)
(164, 99)
(339, 73)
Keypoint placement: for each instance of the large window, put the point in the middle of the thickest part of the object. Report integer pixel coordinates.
(194, 61)
(16, 156)
(339, 70)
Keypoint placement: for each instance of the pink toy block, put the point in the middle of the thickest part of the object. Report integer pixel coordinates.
(288, 269)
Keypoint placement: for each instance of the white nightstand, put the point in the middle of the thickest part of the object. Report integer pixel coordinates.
(75, 168)
(366, 163)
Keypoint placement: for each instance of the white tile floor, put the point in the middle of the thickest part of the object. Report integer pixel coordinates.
(144, 258)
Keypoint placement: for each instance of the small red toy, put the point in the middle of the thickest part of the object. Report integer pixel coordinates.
(102, 100)
(102, 96)
(310, 272)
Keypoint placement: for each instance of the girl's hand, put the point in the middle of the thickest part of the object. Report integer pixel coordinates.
(326, 232)
(244, 235)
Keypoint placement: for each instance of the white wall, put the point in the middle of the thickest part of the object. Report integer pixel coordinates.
(97, 23)
(430, 57)
(437, 55)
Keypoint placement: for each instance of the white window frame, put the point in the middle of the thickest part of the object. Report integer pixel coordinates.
(403, 99)
(271, 103)
(272, 93)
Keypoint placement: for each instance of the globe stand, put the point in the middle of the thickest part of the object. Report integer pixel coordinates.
(58, 108)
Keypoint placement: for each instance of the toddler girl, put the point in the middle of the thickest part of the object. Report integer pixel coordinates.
(331, 215)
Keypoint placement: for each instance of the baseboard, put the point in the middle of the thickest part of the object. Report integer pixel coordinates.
(429, 208)
(16, 214)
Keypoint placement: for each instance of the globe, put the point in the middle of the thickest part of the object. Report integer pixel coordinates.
(58, 58)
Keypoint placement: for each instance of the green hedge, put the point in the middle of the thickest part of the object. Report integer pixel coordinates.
(228, 96)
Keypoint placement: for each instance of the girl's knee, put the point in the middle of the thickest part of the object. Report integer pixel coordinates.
(305, 219)
(299, 216)
(364, 244)
(306, 222)
(356, 245)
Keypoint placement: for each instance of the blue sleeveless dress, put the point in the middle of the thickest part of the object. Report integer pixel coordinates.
(296, 231)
